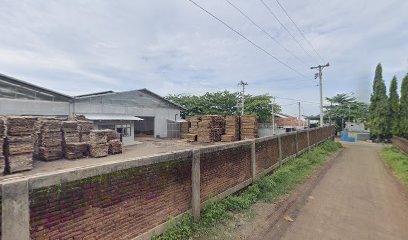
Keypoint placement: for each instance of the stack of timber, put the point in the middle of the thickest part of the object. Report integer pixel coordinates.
(249, 127)
(231, 129)
(76, 150)
(184, 126)
(210, 128)
(115, 146)
(193, 121)
(99, 146)
(50, 139)
(85, 128)
(70, 132)
(19, 146)
(2, 137)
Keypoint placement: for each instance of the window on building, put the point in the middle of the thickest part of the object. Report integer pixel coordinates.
(124, 129)
(106, 126)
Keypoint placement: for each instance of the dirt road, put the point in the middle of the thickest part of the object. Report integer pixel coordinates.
(357, 198)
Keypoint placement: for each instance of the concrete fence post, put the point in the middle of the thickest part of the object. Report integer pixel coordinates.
(308, 139)
(280, 150)
(297, 144)
(195, 184)
(253, 160)
(15, 216)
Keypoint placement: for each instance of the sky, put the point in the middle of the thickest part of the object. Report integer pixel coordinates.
(174, 47)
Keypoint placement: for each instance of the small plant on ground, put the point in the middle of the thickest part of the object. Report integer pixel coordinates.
(397, 161)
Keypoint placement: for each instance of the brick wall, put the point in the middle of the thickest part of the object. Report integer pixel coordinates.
(302, 140)
(114, 206)
(224, 169)
(401, 143)
(124, 204)
(267, 154)
(288, 145)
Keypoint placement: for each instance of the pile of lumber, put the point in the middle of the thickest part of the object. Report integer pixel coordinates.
(194, 120)
(99, 146)
(85, 128)
(76, 150)
(115, 146)
(184, 126)
(231, 129)
(249, 127)
(19, 145)
(189, 137)
(210, 128)
(70, 132)
(2, 137)
(50, 139)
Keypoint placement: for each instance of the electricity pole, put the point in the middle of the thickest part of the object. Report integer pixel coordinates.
(319, 75)
(299, 113)
(243, 84)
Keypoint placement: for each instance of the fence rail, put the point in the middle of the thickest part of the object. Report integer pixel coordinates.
(402, 143)
(133, 198)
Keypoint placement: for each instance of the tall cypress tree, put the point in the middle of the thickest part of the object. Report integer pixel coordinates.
(379, 124)
(404, 108)
(394, 107)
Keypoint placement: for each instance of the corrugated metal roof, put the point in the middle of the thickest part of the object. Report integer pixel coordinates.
(111, 117)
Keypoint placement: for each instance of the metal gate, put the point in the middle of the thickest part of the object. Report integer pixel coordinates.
(173, 129)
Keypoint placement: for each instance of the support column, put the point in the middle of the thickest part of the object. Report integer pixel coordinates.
(308, 139)
(195, 184)
(297, 144)
(280, 151)
(15, 216)
(253, 160)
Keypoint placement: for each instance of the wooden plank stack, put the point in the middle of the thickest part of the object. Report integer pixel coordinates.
(2, 138)
(210, 128)
(85, 128)
(50, 139)
(70, 132)
(115, 146)
(76, 150)
(99, 146)
(249, 127)
(231, 129)
(184, 126)
(19, 145)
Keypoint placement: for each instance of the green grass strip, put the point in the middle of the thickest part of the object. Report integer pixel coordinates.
(397, 161)
(268, 188)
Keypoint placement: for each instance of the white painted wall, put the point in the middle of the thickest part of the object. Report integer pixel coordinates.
(161, 115)
(33, 107)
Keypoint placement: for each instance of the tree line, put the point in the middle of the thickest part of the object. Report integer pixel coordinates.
(225, 103)
(388, 113)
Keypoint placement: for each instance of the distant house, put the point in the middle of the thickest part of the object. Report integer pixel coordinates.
(289, 123)
(131, 113)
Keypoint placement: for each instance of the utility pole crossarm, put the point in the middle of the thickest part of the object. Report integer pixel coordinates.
(320, 75)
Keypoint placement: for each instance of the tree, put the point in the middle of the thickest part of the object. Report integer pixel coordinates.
(344, 107)
(225, 103)
(404, 108)
(394, 107)
(379, 124)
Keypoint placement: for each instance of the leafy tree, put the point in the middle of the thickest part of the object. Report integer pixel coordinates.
(394, 107)
(344, 107)
(404, 108)
(379, 123)
(225, 103)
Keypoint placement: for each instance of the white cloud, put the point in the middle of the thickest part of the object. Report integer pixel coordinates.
(173, 47)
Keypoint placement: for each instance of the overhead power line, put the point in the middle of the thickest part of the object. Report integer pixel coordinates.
(300, 31)
(250, 41)
(297, 100)
(264, 31)
(286, 29)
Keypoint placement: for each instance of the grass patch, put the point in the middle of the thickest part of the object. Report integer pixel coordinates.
(268, 188)
(397, 161)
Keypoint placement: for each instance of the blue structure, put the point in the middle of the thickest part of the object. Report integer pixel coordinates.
(354, 136)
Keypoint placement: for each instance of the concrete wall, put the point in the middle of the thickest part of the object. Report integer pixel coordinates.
(133, 198)
(33, 107)
(160, 114)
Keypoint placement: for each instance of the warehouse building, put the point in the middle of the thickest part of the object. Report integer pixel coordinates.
(132, 113)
